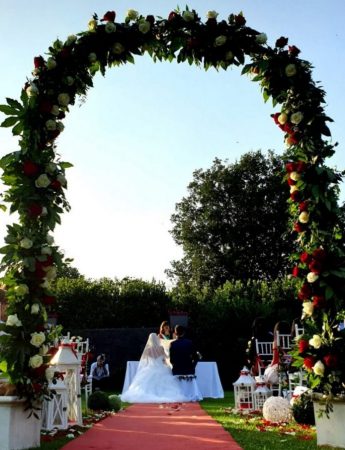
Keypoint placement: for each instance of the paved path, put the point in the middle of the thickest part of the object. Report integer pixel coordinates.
(157, 427)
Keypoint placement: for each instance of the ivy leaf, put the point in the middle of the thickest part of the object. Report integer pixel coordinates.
(9, 122)
(8, 110)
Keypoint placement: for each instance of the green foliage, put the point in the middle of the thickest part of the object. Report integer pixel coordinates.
(99, 400)
(115, 402)
(232, 223)
(303, 410)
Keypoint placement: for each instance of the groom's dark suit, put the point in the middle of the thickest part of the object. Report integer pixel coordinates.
(183, 357)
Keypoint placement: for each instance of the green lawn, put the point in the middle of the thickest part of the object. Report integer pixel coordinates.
(248, 430)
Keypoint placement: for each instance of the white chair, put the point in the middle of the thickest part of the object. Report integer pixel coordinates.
(284, 341)
(299, 330)
(264, 353)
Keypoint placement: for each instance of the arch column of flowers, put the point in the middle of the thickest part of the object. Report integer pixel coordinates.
(36, 182)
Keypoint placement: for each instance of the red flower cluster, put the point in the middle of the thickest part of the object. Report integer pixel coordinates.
(309, 362)
(109, 16)
(303, 345)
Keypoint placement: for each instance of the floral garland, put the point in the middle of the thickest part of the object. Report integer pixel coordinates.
(36, 182)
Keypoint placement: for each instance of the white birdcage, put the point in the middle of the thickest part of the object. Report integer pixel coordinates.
(54, 411)
(261, 393)
(67, 362)
(244, 391)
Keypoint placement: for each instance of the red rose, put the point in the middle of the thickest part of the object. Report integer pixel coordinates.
(172, 15)
(65, 53)
(293, 50)
(319, 301)
(303, 346)
(305, 258)
(295, 271)
(150, 19)
(240, 20)
(309, 362)
(291, 166)
(48, 300)
(35, 210)
(319, 254)
(53, 134)
(305, 292)
(303, 206)
(331, 361)
(301, 166)
(39, 272)
(39, 62)
(291, 182)
(30, 169)
(288, 128)
(293, 138)
(192, 43)
(298, 227)
(56, 185)
(109, 16)
(315, 266)
(281, 42)
(48, 262)
(45, 107)
(295, 196)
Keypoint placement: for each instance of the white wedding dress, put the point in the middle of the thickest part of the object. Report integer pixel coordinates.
(154, 381)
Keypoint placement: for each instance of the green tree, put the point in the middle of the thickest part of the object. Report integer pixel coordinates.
(233, 222)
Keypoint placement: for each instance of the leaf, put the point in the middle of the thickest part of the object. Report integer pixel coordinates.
(3, 366)
(14, 103)
(329, 293)
(9, 122)
(65, 165)
(18, 129)
(7, 110)
(3, 207)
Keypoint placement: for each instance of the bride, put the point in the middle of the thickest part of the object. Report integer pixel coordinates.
(154, 381)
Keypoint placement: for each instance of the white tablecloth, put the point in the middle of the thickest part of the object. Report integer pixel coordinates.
(206, 373)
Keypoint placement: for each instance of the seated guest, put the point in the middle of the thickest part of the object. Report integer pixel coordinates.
(99, 373)
(164, 330)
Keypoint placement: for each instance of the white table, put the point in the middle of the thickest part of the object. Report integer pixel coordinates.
(206, 373)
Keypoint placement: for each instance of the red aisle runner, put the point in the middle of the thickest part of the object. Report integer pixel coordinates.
(157, 427)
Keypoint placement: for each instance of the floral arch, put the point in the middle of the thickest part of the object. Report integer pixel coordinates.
(36, 183)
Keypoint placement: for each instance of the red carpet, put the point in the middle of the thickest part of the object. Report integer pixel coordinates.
(157, 427)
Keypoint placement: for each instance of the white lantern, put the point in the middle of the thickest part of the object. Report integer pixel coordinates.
(67, 362)
(54, 411)
(244, 391)
(262, 392)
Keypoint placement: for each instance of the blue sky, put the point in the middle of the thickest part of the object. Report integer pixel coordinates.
(145, 128)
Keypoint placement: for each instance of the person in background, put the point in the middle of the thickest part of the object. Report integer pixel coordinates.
(164, 330)
(99, 373)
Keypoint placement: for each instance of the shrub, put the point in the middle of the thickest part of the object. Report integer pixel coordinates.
(303, 411)
(99, 400)
(115, 402)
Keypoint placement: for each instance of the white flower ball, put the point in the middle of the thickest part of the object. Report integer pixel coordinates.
(277, 409)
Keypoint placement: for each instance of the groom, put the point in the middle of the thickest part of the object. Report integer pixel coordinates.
(183, 356)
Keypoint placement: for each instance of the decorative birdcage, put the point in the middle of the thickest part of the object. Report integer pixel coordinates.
(54, 411)
(244, 391)
(261, 393)
(66, 361)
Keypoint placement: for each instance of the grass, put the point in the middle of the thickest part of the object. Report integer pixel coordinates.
(249, 431)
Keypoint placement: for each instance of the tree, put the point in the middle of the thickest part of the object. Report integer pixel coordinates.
(233, 223)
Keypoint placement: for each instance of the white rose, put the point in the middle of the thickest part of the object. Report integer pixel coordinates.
(51, 63)
(43, 349)
(144, 26)
(51, 125)
(45, 284)
(295, 176)
(118, 48)
(220, 40)
(51, 273)
(212, 15)
(71, 39)
(290, 70)
(188, 16)
(92, 25)
(55, 110)
(69, 80)
(35, 361)
(282, 118)
(42, 181)
(62, 179)
(92, 57)
(35, 308)
(110, 27)
(49, 373)
(303, 217)
(64, 99)
(26, 243)
(261, 38)
(50, 239)
(32, 90)
(308, 309)
(319, 368)
(296, 118)
(46, 250)
(60, 126)
(132, 14)
(13, 321)
(315, 341)
(44, 211)
(229, 56)
(37, 339)
(293, 188)
(21, 290)
(51, 168)
(312, 277)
